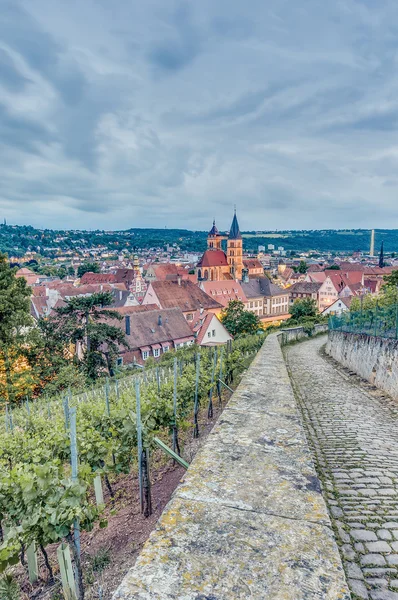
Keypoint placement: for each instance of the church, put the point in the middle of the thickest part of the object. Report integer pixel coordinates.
(217, 265)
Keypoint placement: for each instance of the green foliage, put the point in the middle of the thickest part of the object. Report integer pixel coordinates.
(9, 588)
(83, 322)
(239, 321)
(307, 307)
(334, 268)
(15, 323)
(38, 499)
(88, 267)
(100, 560)
(302, 268)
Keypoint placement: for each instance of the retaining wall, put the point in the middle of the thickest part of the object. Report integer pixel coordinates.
(248, 519)
(373, 358)
(294, 334)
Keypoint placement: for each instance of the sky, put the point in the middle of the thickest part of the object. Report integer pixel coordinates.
(169, 112)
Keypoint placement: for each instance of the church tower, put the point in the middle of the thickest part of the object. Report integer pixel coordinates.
(235, 250)
(214, 238)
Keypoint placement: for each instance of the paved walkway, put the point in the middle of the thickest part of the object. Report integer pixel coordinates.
(353, 431)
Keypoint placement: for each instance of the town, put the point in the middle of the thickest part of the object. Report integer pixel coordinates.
(169, 298)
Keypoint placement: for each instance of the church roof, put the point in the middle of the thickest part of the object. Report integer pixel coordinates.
(214, 230)
(213, 258)
(234, 233)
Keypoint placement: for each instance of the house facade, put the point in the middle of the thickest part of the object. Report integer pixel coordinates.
(151, 333)
(267, 300)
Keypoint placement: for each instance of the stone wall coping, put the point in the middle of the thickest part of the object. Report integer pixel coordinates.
(248, 519)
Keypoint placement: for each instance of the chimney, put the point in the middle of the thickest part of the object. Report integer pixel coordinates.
(179, 280)
(201, 309)
(127, 322)
(160, 320)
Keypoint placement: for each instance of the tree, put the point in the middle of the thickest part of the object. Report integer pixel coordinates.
(88, 267)
(239, 321)
(391, 281)
(304, 308)
(84, 323)
(334, 268)
(302, 268)
(15, 324)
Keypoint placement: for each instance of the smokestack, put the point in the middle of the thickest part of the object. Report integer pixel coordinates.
(160, 320)
(127, 323)
(372, 243)
(179, 280)
(201, 309)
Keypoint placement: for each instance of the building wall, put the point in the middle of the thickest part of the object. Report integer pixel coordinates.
(373, 358)
(218, 334)
(327, 294)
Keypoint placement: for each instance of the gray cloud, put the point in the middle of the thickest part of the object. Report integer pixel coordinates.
(147, 114)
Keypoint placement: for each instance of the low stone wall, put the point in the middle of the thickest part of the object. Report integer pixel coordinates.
(294, 334)
(373, 358)
(248, 519)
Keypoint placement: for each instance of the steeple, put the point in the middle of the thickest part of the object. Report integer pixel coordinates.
(214, 230)
(234, 232)
(235, 250)
(214, 238)
(381, 256)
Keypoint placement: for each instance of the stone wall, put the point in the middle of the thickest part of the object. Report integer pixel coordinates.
(248, 519)
(373, 358)
(295, 334)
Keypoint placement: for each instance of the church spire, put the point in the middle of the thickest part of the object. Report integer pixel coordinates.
(381, 256)
(234, 233)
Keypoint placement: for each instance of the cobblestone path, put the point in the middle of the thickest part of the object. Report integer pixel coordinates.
(353, 431)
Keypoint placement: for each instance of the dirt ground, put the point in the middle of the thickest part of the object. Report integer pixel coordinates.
(108, 553)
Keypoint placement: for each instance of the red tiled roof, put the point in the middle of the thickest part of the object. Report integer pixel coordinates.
(130, 310)
(98, 278)
(252, 263)
(224, 291)
(187, 296)
(213, 258)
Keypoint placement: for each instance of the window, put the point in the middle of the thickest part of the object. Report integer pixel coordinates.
(213, 333)
(156, 352)
(166, 348)
(189, 317)
(145, 355)
(208, 334)
(120, 361)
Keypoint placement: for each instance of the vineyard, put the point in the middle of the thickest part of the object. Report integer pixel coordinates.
(57, 453)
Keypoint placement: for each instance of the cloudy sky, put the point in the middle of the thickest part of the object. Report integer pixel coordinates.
(131, 113)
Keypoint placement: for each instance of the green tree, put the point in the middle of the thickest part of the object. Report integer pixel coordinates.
(84, 322)
(239, 321)
(302, 268)
(15, 324)
(334, 268)
(88, 267)
(304, 308)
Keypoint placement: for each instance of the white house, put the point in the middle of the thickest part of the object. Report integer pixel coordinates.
(339, 306)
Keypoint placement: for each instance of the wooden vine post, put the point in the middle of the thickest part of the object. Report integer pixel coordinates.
(76, 549)
(213, 373)
(196, 405)
(176, 445)
(220, 377)
(139, 442)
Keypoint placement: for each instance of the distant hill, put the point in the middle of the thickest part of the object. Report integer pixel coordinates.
(16, 240)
